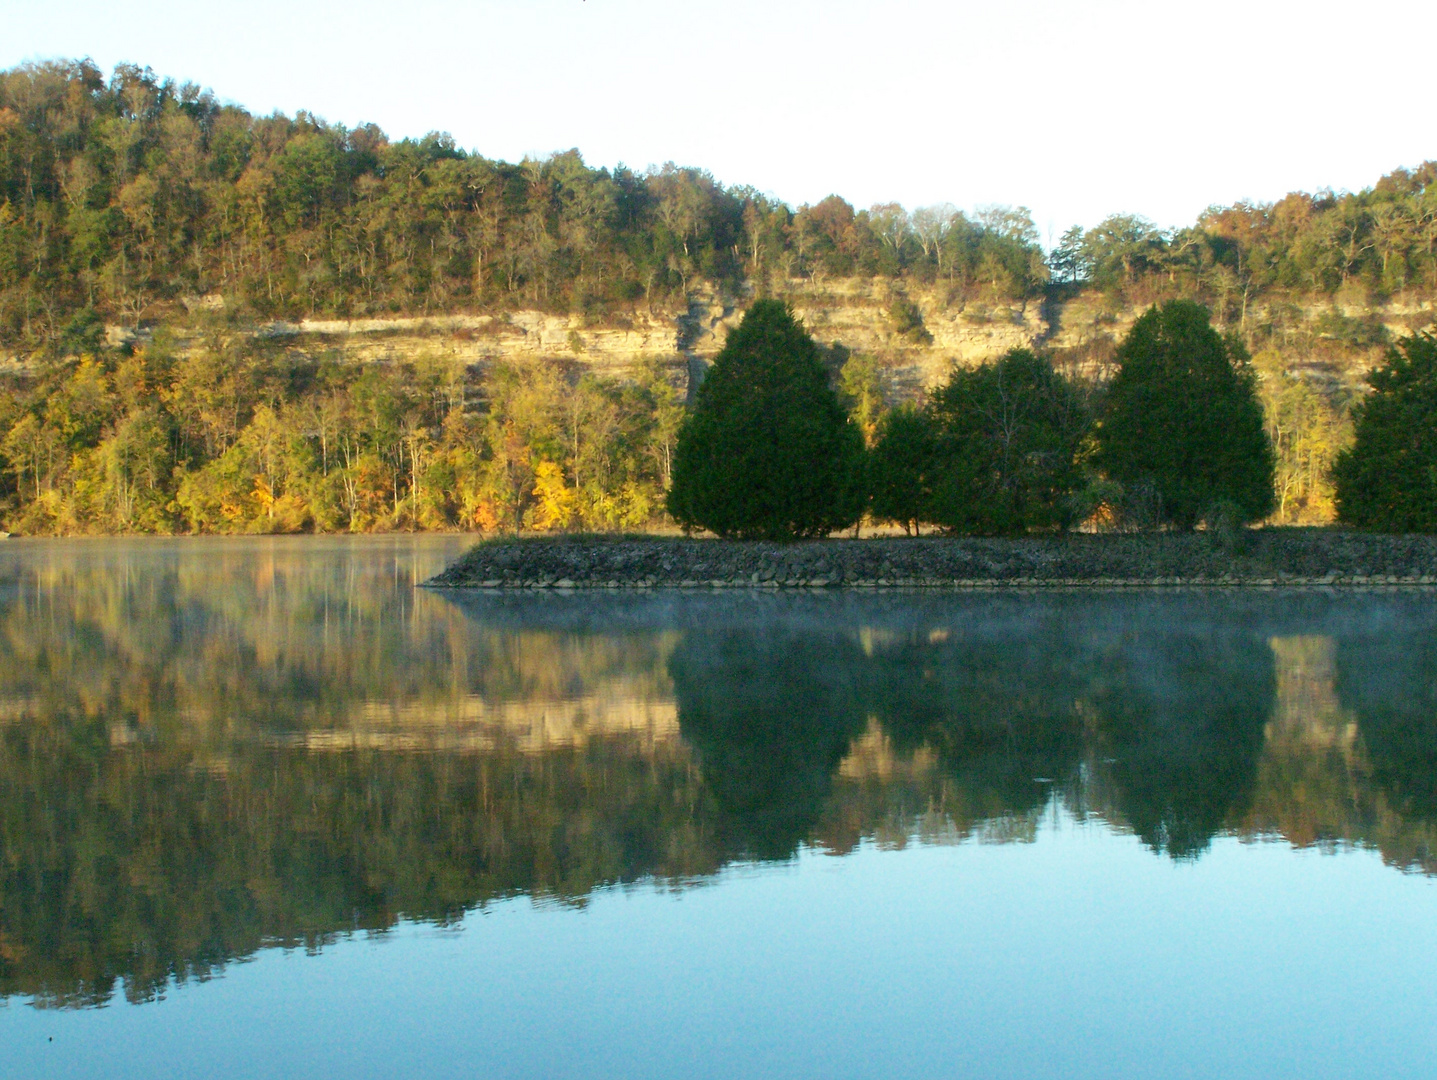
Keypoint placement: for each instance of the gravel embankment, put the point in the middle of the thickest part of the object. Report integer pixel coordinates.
(1262, 557)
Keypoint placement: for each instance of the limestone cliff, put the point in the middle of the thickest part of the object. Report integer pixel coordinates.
(1333, 340)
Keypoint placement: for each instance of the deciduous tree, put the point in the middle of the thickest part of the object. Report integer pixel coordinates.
(1005, 436)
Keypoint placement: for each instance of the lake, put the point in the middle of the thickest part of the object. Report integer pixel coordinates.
(269, 810)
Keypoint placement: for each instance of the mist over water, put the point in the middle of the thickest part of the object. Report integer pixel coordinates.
(279, 751)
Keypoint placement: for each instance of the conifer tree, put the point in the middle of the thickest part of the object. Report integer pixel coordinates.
(1387, 480)
(767, 452)
(1182, 418)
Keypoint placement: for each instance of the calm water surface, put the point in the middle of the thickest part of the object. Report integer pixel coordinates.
(267, 810)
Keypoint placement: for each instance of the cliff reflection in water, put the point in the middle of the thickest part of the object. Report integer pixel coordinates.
(209, 748)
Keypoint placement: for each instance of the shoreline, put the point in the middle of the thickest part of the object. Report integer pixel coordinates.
(1258, 558)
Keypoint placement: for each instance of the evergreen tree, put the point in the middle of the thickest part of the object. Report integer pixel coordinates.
(1182, 417)
(900, 468)
(1387, 480)
(767, 452)
(1006, 434)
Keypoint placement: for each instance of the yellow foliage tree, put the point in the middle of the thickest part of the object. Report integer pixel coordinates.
(558, 503)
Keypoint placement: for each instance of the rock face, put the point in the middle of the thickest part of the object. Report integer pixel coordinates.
(478, 338)
(850, 314)
(855, 314)
(1264, 557)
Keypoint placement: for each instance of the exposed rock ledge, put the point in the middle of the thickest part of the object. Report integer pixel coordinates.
(1263, 557)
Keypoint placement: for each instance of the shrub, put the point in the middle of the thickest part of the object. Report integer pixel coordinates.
(1387, 479)
(767, 452)
(1182, 416)
(907, 322)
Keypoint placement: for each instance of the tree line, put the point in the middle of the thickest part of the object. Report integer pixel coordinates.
(120, 198)
(233, 437)
(1382, 240)
(783, 440)
(1175, 439)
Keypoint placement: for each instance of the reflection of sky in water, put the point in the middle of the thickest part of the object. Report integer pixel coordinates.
(624, 810)
(1079, 955)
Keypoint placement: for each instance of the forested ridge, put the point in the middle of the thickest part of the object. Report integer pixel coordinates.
(122, 197)
(132, 201)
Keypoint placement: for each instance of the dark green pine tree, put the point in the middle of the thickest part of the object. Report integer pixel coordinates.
(767, 452)
(1182, 419)
(1387, 479)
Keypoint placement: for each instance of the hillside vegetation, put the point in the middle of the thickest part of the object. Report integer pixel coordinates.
(151, 237)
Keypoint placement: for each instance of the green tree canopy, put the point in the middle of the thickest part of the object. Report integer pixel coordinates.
(1006, 435)
(1387, 480)
(900, 468)
(767, 452)
(1182, 418)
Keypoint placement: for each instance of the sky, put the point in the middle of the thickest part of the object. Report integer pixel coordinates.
(1074, 109)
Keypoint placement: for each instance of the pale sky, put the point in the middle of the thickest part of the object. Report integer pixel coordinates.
(1076, 109)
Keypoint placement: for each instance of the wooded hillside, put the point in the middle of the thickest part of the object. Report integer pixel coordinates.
(132, 204)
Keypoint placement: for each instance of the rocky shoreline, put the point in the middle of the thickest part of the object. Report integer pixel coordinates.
(1260, 558)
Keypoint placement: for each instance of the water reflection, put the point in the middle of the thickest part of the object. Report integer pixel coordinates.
(210, 747)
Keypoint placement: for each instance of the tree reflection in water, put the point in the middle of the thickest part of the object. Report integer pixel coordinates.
(207, 749)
